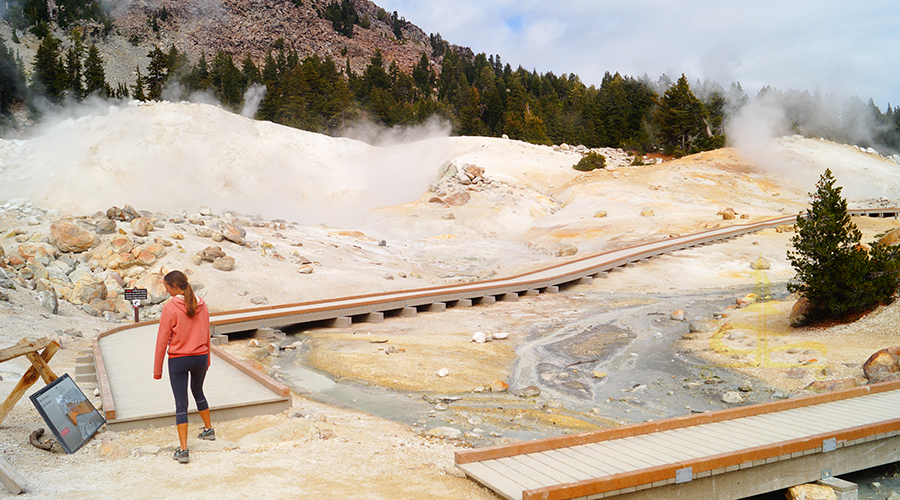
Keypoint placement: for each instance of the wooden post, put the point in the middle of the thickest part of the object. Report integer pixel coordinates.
(10, 478)
(38, 369)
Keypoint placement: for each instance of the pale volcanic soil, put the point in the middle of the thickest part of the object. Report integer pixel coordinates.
(367, 219)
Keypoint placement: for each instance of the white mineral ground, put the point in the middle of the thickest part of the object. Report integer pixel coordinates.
(339, 198)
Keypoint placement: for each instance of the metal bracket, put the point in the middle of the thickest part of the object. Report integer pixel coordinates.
(684, 475)
(826, 474)
(829, 445)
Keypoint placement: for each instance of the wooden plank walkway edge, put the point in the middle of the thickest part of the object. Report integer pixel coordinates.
(700, 467)
(109, 403)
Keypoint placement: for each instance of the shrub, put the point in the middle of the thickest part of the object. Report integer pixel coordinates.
(590, 161)
(834, 272)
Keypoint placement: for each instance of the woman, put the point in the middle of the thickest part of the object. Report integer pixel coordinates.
(184, 332)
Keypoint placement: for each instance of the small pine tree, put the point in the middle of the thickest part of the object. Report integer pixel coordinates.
(836, 274)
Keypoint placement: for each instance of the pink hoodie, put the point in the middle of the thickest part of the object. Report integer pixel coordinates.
(182, 335)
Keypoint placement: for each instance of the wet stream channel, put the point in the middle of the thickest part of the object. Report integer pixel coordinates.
(612, 361)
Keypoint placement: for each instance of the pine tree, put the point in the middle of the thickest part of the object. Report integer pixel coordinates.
(834, 272)
(680, 117)
(49, 78)
(74, 67)
(157, 71)
(94, 75)
(138, 91)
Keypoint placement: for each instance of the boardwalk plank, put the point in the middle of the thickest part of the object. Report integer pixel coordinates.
(524, 479)
(699, 442)
(575, 461)
(593, 458)
(570, 467)
(561, 473)
(503, 485)
(619, 456)
(649, 457)
(537, 476)
(676, 449)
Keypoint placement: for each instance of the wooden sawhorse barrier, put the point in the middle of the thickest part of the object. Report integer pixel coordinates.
(11, 479)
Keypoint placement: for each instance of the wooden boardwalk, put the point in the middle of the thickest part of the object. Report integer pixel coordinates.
(123, 357)
(133, 399)
(726, 454)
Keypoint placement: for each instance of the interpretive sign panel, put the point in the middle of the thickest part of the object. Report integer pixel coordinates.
(68, 413)
(135, 293)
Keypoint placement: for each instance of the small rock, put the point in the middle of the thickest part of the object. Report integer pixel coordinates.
(500, 336)
(677, 315)
(600, 214)
(479, 337)
(388, 276)
(443, 372)
(532, 391)
(499, 386)
(745, 386)
(259, 300)
(597, 374)
(305, 269)
(647, 212)
(224, 263)
(732, 397)
(445, 433)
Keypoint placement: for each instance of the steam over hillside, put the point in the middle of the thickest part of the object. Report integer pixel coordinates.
(168, 157)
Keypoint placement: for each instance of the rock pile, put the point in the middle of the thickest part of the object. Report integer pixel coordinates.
(89, 262)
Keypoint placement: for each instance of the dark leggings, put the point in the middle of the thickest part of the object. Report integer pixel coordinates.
(179, 368)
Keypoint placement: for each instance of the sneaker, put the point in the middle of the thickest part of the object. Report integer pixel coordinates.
(207, 434)
(182, 456)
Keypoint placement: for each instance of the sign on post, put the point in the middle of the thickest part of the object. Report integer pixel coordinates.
(68, 413)
(136, 295)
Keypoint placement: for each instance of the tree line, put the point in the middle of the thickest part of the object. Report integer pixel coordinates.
(478, 95)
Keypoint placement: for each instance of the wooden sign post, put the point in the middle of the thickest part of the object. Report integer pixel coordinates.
(136, 295)
(39, 368)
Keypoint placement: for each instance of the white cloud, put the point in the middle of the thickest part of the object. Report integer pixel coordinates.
(836, 46)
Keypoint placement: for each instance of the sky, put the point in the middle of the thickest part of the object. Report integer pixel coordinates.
(838, 47)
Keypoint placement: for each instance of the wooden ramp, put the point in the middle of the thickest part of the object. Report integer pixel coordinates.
(132, 399)
(725, 454)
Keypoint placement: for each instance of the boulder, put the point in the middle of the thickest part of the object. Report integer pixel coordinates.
(727, 214)
(144, 258)
(121, 244)
(820, 386)
(732, 398)
(106, 226)
(234, 231)
(701, 326)
(69, 237)
(224, 263)
(883, 365)
(126, 214)
(210, 254)
(48, 301)
(800, 312)
(473, 171)
(458, 199)
(141, 226)
(532, 391)
(811, 492)
(156, 288)
(88, 289)
(44, 252)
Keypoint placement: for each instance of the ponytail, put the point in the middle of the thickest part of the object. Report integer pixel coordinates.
(178, 280)
(190, 300)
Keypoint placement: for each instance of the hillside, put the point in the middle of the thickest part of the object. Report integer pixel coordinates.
(239, 27)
